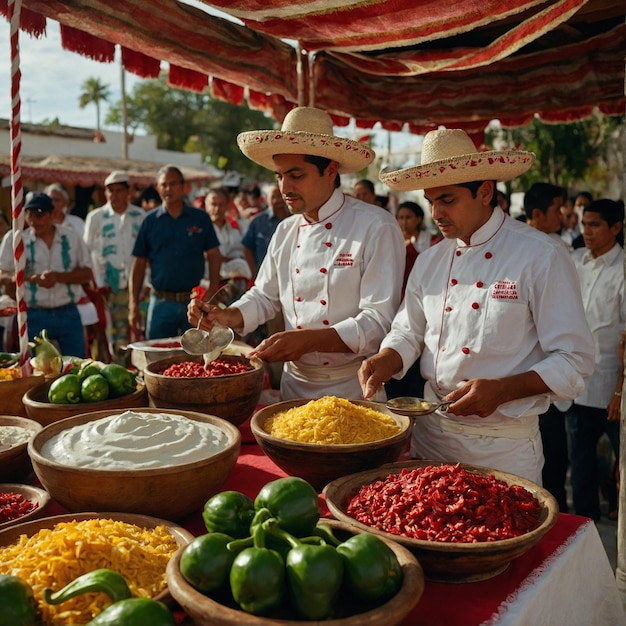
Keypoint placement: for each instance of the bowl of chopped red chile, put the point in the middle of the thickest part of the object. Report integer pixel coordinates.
(15, 432)
(464, 523)
(20, 503)
(229, 387)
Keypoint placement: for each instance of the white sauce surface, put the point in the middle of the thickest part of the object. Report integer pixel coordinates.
(11, 436)
(135, 441)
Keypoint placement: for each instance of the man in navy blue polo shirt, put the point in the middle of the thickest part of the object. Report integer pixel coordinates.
(175, 239)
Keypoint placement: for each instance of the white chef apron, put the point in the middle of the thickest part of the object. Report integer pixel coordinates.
(300, 381)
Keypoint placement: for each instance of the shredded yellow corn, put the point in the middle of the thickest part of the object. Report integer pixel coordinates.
(9, 373)
(331, 420)
(53, 557)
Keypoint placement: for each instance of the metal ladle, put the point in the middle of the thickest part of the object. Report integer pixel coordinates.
(195, 341)
(414, 407)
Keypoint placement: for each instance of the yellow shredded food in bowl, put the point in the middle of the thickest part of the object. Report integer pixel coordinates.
(53, 557)
(331, 420)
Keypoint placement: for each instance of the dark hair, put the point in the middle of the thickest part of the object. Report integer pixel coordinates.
(149, 193)
(412, 206)
(584, 194)
(366, 183)
(321, 163)
(170, 169)
(253, 190)
(219, 190)
(611, 212)
(474, 185)
(541, 196)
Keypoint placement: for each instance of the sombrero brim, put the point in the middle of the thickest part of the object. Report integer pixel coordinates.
(498, 165)
(261, 146)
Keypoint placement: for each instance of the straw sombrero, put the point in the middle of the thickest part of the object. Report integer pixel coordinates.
(305, 130)
(449, 157)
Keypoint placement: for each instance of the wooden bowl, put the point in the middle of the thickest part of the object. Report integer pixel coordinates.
(233, 397)
(450, 562)
(170, 492)
(10, 535)
(206, 611)
(319, 464)
(40, 409)
(150, 350)
(11, 392)
(38, 497)
(14, 462)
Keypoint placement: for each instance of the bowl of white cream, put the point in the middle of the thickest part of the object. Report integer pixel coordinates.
(160, 462)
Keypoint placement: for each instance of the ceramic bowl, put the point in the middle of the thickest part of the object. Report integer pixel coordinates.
(12, 392)
(232, 397)
(14, 460)
(206, 611)
(169, 492)
(442, 561)
(40, 409)
(319, 464)
(38, 497)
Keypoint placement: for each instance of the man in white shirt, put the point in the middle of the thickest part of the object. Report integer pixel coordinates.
(57, 264)
(483, 309)
(334, 267)
(596, 410)
(110, 234)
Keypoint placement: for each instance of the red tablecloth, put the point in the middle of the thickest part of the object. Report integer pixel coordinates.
(469, 604)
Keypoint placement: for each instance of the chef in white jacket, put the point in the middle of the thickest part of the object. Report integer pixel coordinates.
(334, 267)
(484, 311)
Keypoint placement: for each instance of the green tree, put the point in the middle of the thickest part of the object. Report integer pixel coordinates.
(93, 92)
(191, 122)
(577, 155)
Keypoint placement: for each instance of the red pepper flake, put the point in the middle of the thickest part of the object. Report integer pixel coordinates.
(191, 369)
(14, 505)
(446, 503)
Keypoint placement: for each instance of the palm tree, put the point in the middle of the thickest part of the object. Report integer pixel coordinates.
(93, 92)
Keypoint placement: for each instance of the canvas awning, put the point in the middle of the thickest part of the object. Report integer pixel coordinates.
(418, 62)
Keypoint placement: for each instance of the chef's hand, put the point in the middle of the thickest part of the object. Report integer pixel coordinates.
(377, 370)
(480, 396)
(614, 410)
(287, 345)
(228, 317)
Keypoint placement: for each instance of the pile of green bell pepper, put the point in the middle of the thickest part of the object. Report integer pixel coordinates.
(274, 554)
(91, 381)
(18, 607)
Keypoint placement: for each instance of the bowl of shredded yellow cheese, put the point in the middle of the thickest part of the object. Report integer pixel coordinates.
(320, 440)
(51, 552)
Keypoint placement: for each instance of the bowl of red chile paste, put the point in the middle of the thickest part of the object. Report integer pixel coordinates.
(433, 509)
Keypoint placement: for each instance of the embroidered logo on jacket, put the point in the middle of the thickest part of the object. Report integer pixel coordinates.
(193, 229)
(505, 290)
(344, 259)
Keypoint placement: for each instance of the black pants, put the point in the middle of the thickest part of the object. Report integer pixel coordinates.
(554, 440)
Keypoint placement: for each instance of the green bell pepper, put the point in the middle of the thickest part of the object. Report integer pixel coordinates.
(314, 574)
(372, 571)
(105, 580)
(65, 390)
(17, 603)
(135, 612)
(257, 577)
(229, 512)
(293, 502)
(205, 562)
(94, 388)
(88, 369)
(121, 381)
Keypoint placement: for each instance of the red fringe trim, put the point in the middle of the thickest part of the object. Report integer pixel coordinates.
(31, 22)
(184, 78)
(256, 100)
(223, 90)
(339, 120)
(140, 64)
(86, 44)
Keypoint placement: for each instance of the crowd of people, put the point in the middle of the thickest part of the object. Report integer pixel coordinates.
(520, 326)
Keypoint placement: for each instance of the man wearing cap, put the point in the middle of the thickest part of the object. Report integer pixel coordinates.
(334, 268)
(175, 239)
(57, 264)
(110, 234)
(484, 311)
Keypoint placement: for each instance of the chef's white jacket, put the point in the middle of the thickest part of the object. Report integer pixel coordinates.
(507, 303)
(344, 272)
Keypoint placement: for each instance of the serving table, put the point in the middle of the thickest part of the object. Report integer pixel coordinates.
(566, 578)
